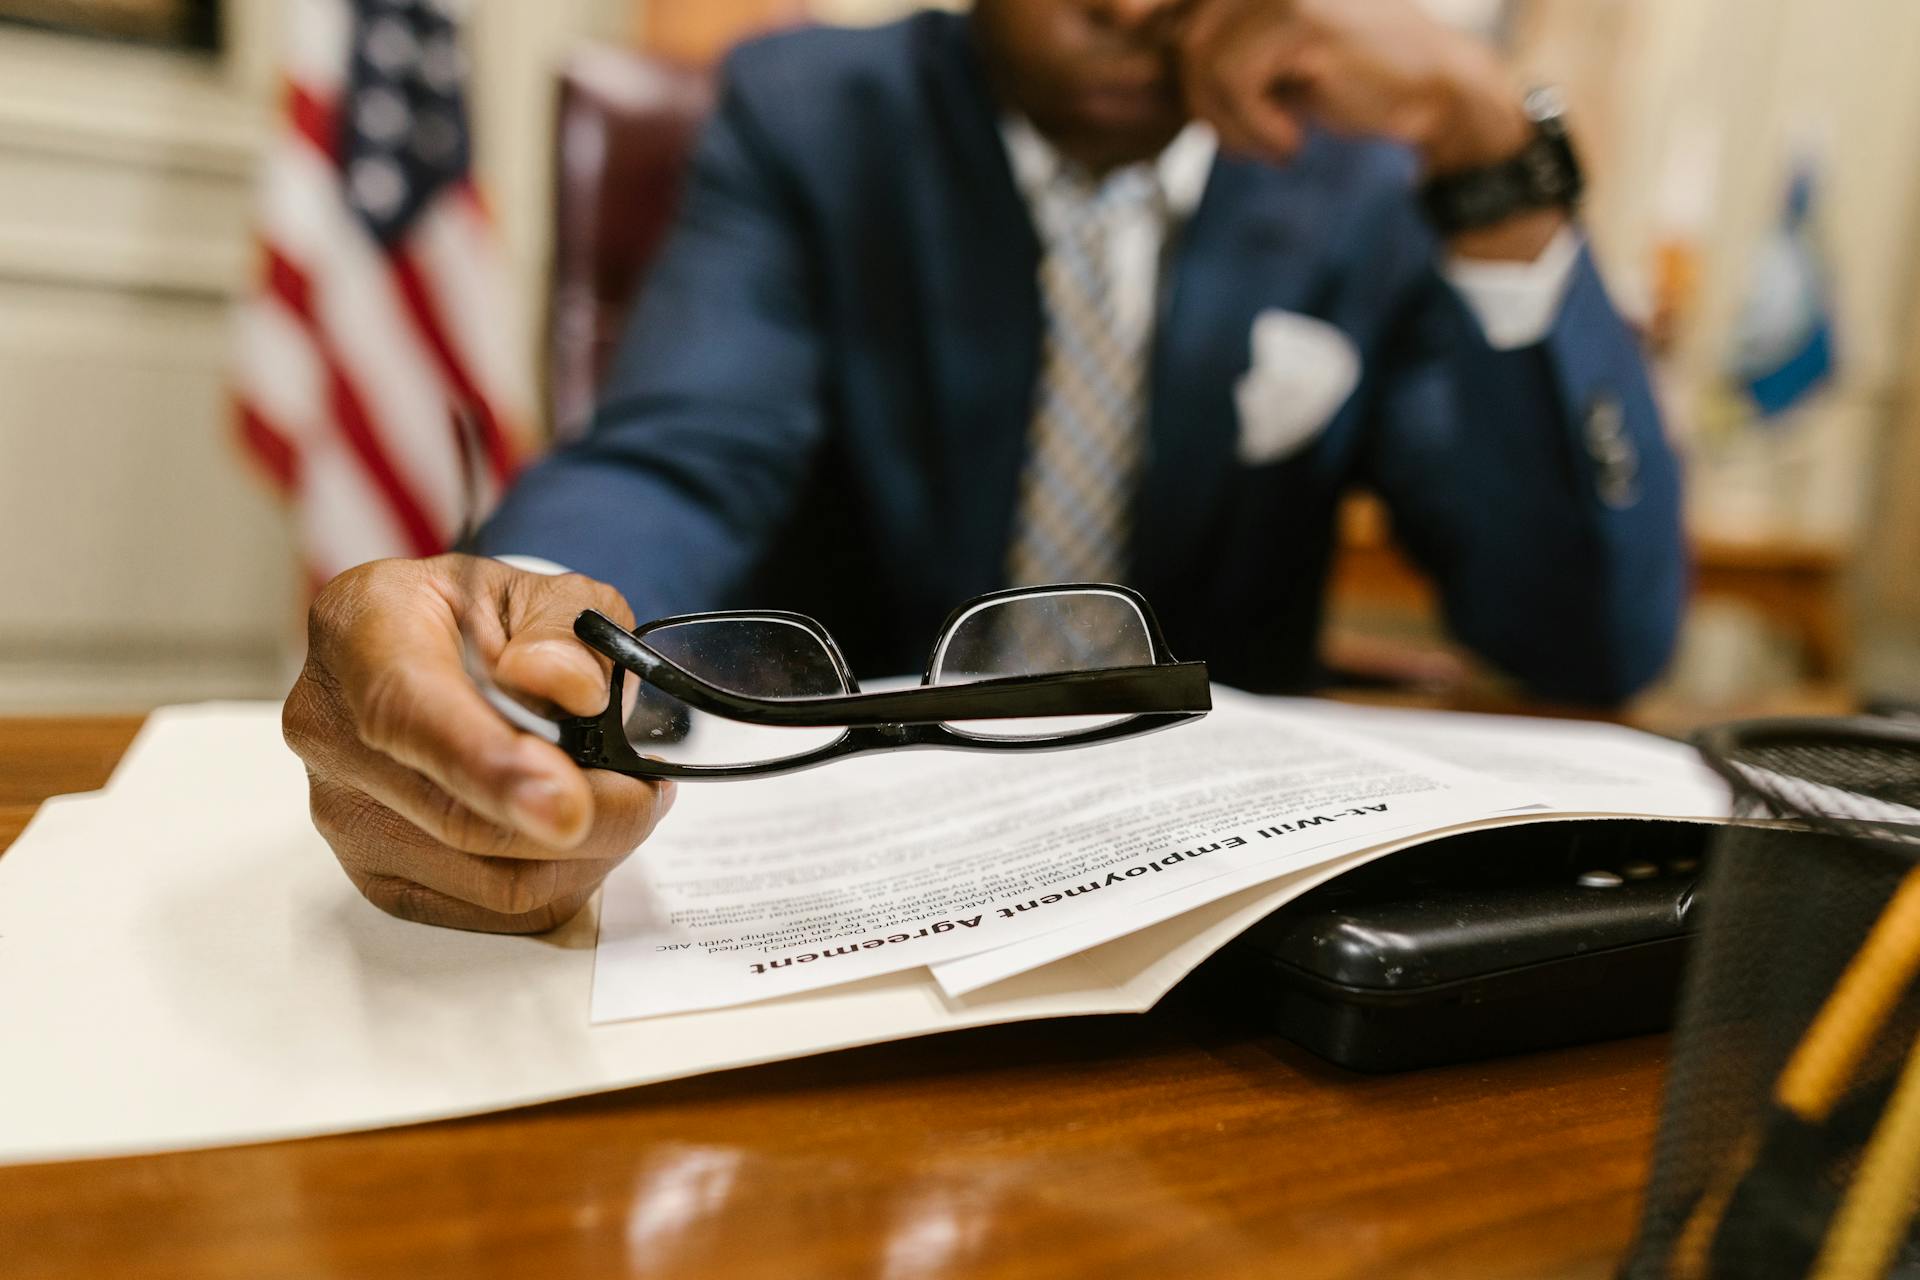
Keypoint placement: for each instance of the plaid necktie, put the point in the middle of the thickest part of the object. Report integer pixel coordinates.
(1086, 443)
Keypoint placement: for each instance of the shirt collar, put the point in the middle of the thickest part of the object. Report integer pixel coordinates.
(1182, 168)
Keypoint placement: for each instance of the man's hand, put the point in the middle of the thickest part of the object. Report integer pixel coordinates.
(438, 809)
(1259, 71)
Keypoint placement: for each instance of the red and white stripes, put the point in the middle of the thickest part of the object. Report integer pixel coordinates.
(358, 360)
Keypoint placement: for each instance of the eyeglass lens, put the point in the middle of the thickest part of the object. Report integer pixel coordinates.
(762, 657)
(1079, 629)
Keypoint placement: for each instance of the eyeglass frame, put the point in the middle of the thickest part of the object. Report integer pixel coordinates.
(1153, 697)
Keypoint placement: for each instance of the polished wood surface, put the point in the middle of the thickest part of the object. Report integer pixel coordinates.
(45, 757)
(1174, 1144)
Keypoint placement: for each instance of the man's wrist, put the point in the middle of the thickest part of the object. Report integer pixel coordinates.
(1520, 238)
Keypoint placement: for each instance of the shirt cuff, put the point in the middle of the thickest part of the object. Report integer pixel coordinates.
(1516, 303)
(533, 564)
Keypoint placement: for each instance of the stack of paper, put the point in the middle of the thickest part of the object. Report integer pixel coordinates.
(183, 964)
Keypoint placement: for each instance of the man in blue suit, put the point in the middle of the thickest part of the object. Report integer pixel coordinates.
(969, 301)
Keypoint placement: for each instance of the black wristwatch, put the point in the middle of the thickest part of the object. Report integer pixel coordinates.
(1545, 175)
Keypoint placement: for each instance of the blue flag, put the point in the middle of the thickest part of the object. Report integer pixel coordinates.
(1783, 339)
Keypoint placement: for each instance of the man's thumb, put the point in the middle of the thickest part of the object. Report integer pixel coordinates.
(545, 660)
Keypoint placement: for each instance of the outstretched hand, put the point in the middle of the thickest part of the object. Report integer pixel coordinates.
(438, 809)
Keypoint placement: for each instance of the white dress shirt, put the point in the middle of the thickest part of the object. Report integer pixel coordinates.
(1515, 302)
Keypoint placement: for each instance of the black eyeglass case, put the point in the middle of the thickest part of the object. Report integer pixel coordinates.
(1480, 944)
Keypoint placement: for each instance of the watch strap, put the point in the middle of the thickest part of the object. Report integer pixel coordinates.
(1545, 174)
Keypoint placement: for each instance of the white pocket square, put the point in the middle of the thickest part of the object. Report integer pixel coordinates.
(1303, 370)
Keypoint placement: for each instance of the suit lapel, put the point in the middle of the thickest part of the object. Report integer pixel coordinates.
(1248, 246)
(981, 282)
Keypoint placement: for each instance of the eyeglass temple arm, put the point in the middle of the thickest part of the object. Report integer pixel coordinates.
(1169, 687)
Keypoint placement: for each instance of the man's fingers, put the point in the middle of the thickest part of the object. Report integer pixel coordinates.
(425, 713)
(1238, 63)
(1202, 29)
(422, 905)
(504, 886)
(1249, 113)
(1199, 45)
(354, 784)
(1273, 127)
(361, 795)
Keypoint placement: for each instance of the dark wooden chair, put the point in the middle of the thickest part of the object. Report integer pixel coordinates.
(625, 128)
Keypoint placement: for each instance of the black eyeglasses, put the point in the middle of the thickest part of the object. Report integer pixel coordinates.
(751, 693)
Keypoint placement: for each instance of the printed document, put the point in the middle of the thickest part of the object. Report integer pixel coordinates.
(1570, 768)
(876, 865)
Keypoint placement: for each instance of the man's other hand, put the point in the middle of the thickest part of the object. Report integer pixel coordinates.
(1259, 70)
(438, 809)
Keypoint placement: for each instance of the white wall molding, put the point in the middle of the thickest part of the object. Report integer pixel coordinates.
(126, 168)
(89, 134)
(127, 106)
(211, 269)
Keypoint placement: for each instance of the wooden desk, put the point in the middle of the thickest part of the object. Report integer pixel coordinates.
(1164, 1145)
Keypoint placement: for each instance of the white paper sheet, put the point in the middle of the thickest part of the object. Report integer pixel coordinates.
(878, 865)
(182, 964)
(1574, 768)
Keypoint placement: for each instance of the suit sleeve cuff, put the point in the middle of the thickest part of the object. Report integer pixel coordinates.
(1517, 303)
(533, 564)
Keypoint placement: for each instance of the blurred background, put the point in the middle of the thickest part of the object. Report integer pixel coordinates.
(1756, 182)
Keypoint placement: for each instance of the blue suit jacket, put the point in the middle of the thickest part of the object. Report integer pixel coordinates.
(823, 400)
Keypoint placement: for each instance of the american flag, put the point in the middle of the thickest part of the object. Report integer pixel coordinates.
(380, 381)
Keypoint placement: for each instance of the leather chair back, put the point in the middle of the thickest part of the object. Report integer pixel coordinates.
(626, 127)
